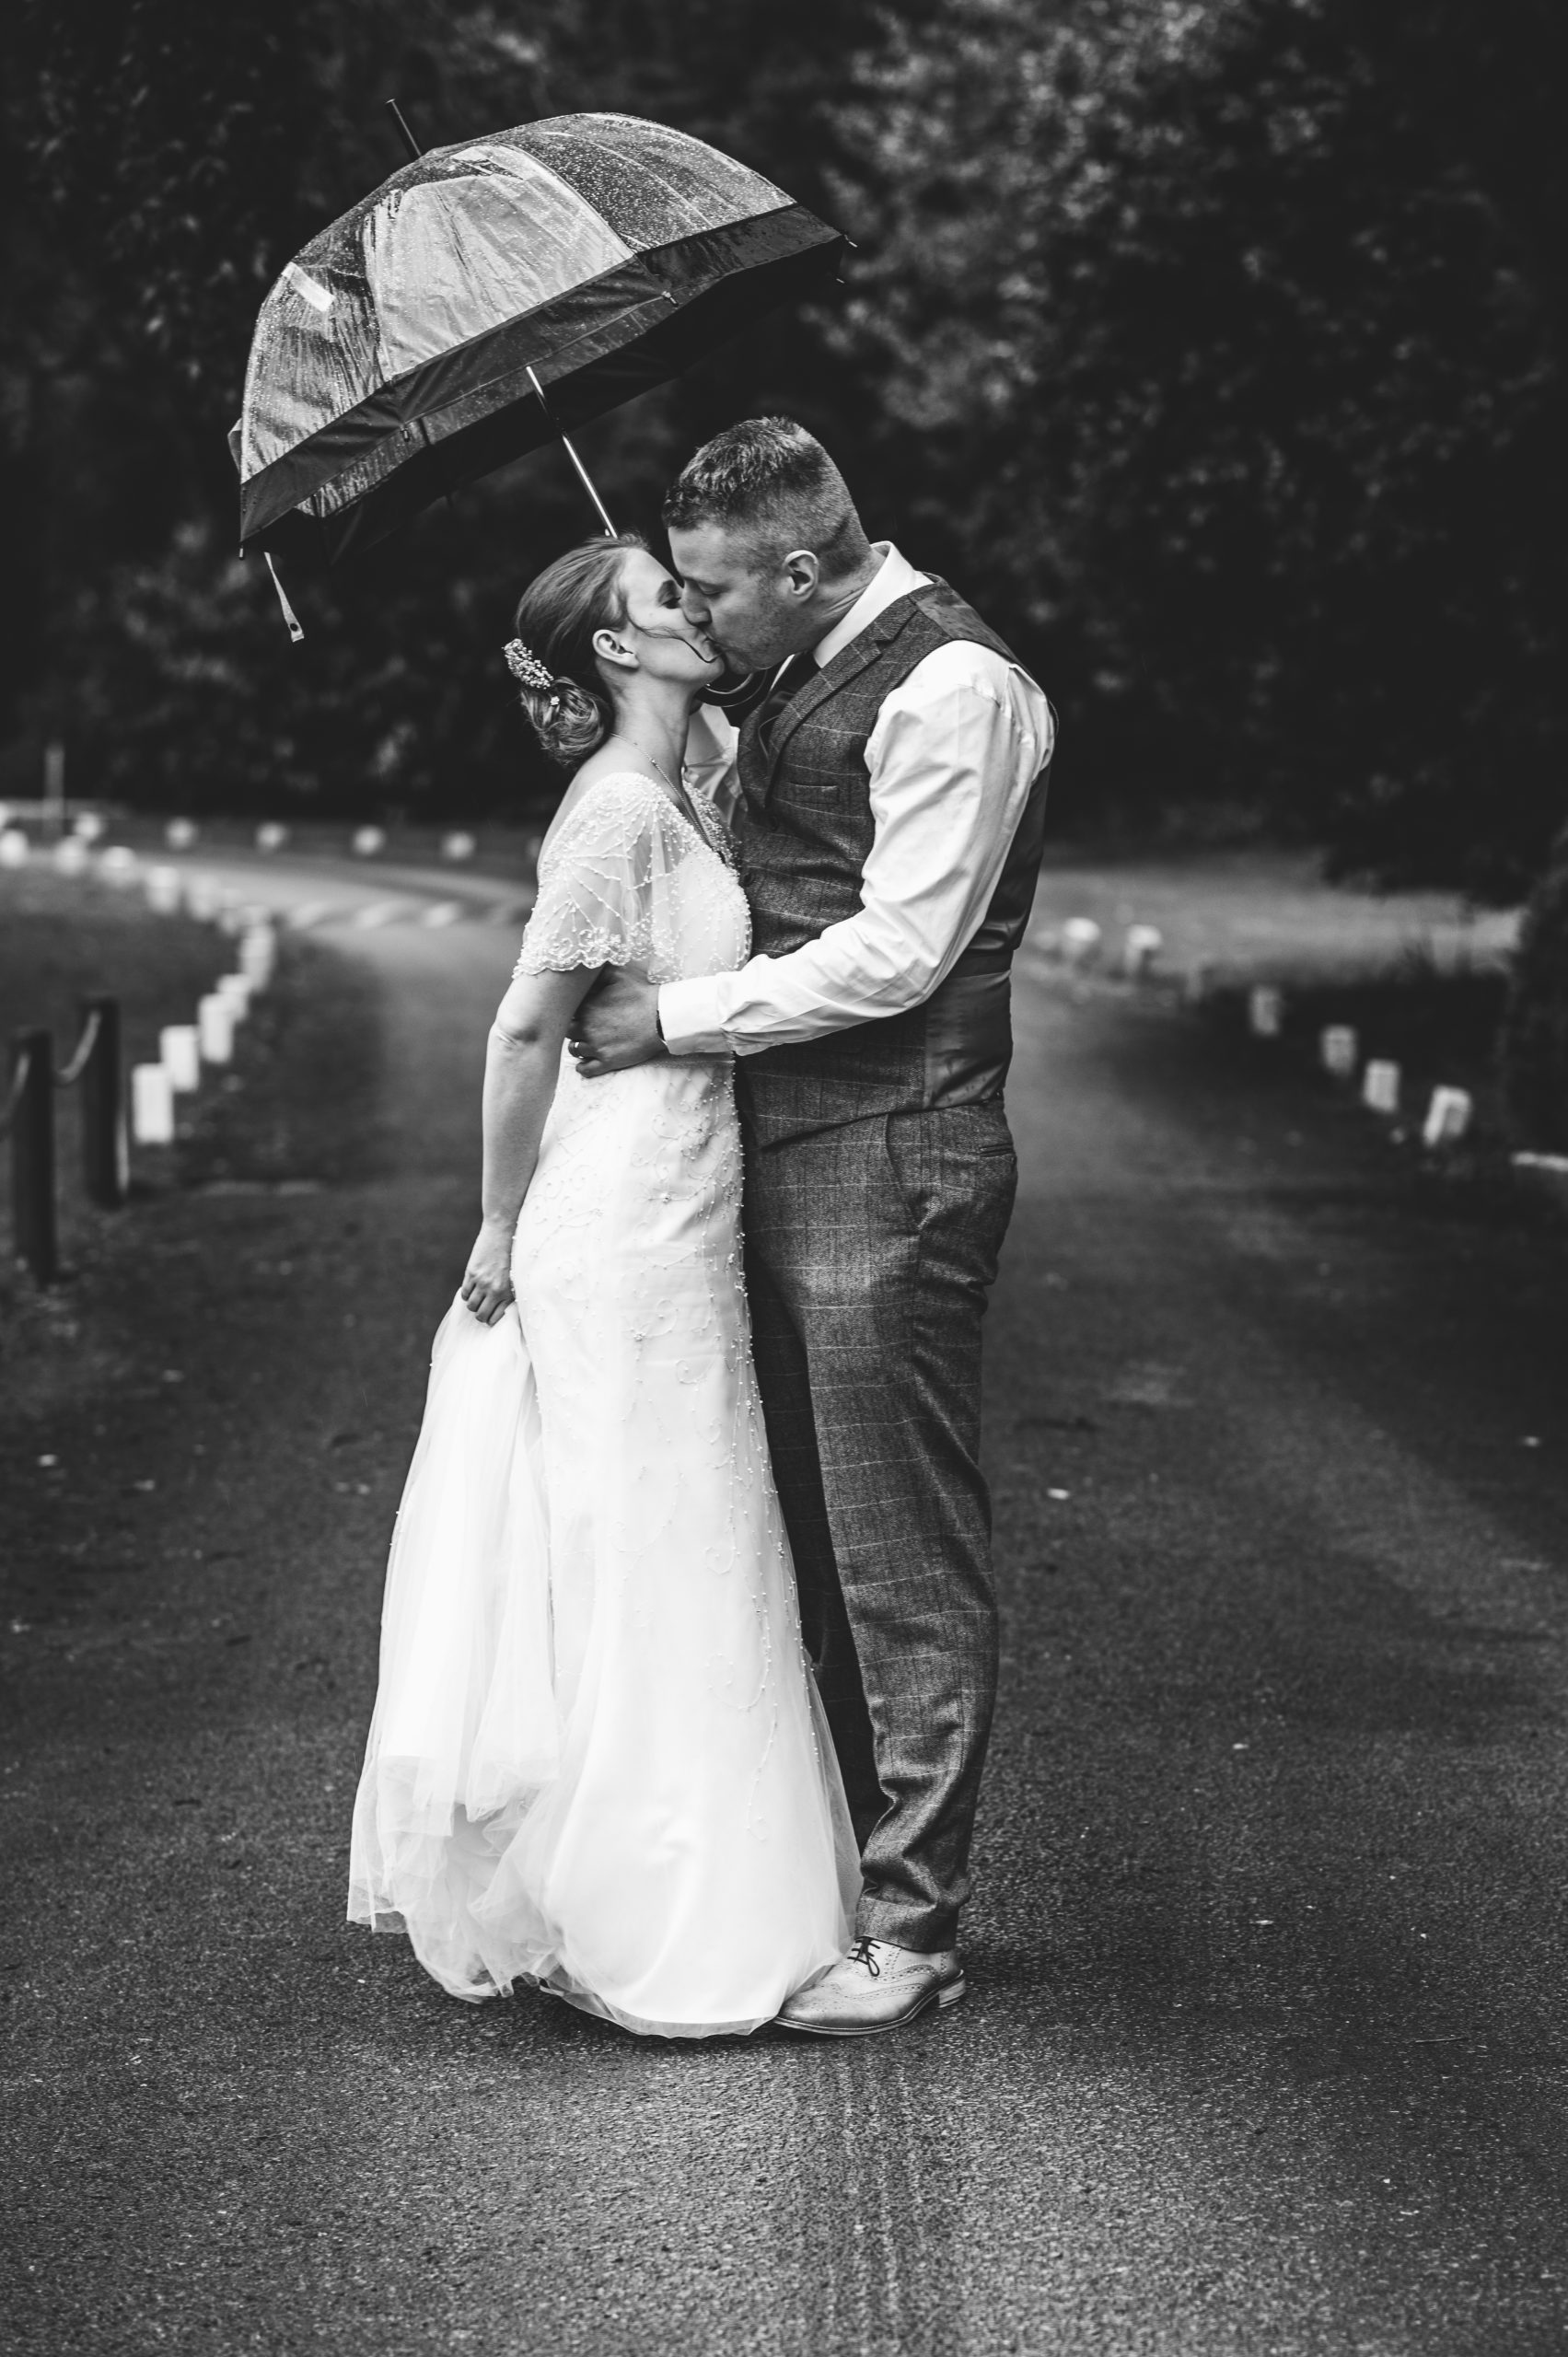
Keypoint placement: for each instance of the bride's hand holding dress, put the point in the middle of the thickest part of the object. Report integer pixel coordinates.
(522, 1062)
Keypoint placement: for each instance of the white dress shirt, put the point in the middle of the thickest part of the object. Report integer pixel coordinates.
(952, 758)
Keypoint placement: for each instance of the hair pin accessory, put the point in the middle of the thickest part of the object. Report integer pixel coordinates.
(525, 666)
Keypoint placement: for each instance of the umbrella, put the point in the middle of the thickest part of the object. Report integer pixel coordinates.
(487, 297)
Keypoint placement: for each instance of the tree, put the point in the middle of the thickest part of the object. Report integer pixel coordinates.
(165, 161)
(1226, 338)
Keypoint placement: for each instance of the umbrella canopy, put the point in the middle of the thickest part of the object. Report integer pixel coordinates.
(396, 357)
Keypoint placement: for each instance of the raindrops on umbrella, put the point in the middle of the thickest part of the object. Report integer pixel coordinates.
(488, 297)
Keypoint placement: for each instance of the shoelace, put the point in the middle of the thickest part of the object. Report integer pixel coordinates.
(861, 1954)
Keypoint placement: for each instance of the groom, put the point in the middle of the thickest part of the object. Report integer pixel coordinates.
(892, 800)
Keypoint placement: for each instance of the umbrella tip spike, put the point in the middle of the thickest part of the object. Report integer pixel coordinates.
(404, 133)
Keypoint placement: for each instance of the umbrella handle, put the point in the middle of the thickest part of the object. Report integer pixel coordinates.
(583, 475)
(296, 627)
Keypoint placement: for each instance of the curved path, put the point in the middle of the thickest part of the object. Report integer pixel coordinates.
(1265, 2045)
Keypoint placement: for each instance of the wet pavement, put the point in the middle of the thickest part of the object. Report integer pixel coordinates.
(1267, 2045)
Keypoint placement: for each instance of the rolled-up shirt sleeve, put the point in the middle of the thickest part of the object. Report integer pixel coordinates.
(951, 759)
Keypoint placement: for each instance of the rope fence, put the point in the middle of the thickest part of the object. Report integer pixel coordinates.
(20, 1067)
(28, 1120)
(96, 1065)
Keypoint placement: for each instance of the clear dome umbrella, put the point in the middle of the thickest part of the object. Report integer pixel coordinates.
(488, 297)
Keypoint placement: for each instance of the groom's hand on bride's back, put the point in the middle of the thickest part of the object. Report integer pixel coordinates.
(616, 1026)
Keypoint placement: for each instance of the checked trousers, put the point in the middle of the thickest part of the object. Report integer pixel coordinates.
(870, 1249)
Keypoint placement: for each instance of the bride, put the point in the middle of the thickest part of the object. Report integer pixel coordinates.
(598, 1761)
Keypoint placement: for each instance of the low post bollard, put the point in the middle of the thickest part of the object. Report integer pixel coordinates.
(152, 1104)
(1338, 1048)
(215, 1028)
(1139, 951)
(1447, 1117)
(258, 954)
(1081, 939)
(180, 1053)
(30, 1115)
(1380, 1085)
(106, 1150)
(1265, 1011)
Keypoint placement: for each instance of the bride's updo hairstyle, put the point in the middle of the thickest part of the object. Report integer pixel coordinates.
(552, 657)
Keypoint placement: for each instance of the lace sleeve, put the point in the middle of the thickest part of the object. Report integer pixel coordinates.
(609, 890)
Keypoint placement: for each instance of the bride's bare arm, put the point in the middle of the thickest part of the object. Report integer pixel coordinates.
(520, 1071)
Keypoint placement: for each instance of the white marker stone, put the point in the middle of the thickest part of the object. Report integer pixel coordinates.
(13, 848)
(163, 890)
(152, 1106)
(180, 1048)
(1265, 1011)
(203, 898)
(118, 864)
(1339, 1050)
(235, 989)
(88, 825)
(1142, 947)
(258, 954)
(70, 857)
(180, 834)
(1447, 1116)
(1380, 1085)
(1081, 939)
(214, 1029)
(271, 836)
(369, 842)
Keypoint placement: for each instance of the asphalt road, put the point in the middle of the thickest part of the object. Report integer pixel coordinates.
(1266, 2047)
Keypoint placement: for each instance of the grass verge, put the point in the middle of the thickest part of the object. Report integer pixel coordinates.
(62, 938)
(1441, 1029)
(300, 1101)
(299, 1108)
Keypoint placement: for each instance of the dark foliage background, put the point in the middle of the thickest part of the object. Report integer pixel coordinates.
(1214, 346)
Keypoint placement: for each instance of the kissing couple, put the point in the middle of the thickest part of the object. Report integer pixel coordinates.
(689, 1646)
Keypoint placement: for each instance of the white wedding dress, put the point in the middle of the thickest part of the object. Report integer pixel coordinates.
(598, 1760)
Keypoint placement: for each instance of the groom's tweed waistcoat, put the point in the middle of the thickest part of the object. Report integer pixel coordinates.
(805, 828)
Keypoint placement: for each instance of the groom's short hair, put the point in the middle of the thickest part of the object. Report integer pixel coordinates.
(771, 483)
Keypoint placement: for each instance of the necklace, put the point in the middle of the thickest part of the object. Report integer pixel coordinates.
(681, 799)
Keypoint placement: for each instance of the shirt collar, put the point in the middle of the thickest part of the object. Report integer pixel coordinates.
(893, 578)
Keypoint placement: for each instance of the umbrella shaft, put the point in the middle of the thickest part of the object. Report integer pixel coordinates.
(587, 482)
(583, 475)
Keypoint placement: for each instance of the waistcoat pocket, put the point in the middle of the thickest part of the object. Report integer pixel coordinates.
(822, 764)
